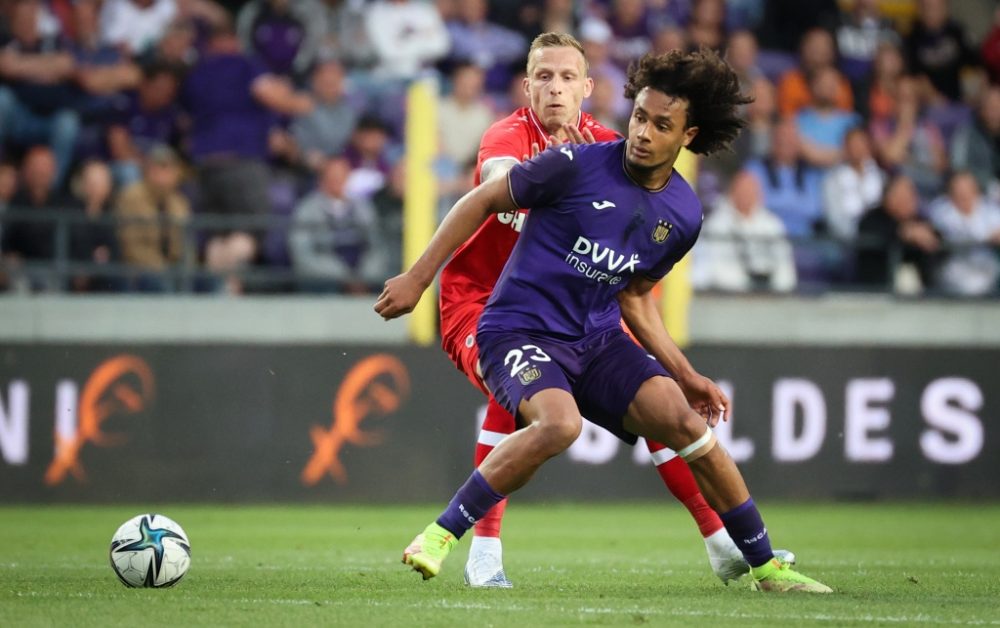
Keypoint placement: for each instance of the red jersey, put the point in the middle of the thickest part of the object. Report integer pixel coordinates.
(469, 277)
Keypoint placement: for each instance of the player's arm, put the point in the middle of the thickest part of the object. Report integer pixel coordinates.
(640, 313)
(402, 292)
(496, 167)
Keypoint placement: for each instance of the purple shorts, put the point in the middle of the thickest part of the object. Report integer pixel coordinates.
(603, 372)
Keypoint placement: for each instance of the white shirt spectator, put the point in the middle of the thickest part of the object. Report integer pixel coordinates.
(973, 267)
(848, 194)
(738, 252)
(134, 25)
(405, 36)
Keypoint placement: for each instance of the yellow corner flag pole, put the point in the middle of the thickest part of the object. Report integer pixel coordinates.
(677, 292)
(420, 199)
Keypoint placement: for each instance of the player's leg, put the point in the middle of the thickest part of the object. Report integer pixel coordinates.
(725, 558)
(553, 424)
(660, 411)
(484, 567)
(544, 403)
(723, 555)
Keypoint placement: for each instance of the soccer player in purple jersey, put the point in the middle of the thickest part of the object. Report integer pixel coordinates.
(608, 221)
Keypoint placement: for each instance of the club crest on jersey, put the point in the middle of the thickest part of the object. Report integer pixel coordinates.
(529, 375)
(661, 231)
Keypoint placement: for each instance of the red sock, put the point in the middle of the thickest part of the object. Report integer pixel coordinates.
(497, 424)
(678, 477)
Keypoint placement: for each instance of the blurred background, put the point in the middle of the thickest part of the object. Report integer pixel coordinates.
(199, 201)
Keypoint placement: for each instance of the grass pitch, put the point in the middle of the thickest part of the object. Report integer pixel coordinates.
(621, 565)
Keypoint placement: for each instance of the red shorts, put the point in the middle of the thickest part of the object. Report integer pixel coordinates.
(458, 339)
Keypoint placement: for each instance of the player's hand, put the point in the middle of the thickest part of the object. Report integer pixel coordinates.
(706, 398)
(536, 149)
(399, 296)
(575, 136)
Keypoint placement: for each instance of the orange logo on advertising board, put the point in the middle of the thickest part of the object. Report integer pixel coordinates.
(377, 385)
(122, 384)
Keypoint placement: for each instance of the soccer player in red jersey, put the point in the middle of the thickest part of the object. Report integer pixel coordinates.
(556, 84)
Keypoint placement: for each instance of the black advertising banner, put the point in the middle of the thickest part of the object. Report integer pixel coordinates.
(93, 423)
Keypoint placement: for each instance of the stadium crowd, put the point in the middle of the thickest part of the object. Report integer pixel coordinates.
(147, 137)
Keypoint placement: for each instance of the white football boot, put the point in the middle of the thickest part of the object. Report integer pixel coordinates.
(727, 560)
(484, 568)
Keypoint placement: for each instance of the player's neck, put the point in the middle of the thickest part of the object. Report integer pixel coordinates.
(653, 179)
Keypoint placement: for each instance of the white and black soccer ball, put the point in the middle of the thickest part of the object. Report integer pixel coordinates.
(150, 550)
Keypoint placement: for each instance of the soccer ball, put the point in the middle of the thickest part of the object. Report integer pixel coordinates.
(150, 550)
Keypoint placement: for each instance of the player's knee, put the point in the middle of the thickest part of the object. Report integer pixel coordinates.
(558, 431)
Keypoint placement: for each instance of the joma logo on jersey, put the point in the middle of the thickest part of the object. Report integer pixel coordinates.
(661, 231)
(602, 255)
(514, 219)
(529, 375)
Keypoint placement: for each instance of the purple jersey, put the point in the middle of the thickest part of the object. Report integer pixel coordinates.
(590, 229)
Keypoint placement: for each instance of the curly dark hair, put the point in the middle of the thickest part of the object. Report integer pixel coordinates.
(710, 87)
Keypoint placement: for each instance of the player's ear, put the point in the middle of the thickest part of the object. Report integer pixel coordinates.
(689, 134)
(525, 82)
(588, 87)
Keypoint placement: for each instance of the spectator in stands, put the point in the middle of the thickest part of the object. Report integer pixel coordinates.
(895, 243)
(345, 37)
(326, 130)
(707, 24)
(406, 36)
(669, 37)
(910, 142)
(817, 52)
(785, 20)
(37, 99)
(93, 240)
(177, 47)
(602, 101)
(791, 186)
(388, 204)
(465, 114)
(937, 50)
(741, 54)
(8, 184)
(474, 39)
(367, 154)
(970, 226)
(595, 36)
(8, 188)
(231, 99)
(744, 246)
(822, 126)
(147, 117)
(102, 71)
(632, 27)
(853, 187)
(334, 241)
(151, 215)
(792, 192)
(35, 241)
(888, 72)
(976, 145)
(990, 50)
(135, 25)
(861, 30)
(284, 34)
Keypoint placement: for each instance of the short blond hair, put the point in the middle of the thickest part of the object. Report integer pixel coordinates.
(553, 39)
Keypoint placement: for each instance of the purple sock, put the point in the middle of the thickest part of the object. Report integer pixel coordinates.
(746, 528)
(469, 504)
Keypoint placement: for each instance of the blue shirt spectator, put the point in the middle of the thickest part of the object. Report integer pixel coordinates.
(492, 47)
(791, 187)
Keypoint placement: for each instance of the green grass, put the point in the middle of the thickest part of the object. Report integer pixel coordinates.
(623, 564)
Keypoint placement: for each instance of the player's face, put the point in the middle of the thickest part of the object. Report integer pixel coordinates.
(657, 130)
(556, 84)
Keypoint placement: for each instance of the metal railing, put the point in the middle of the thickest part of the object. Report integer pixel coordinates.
(189, 275)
